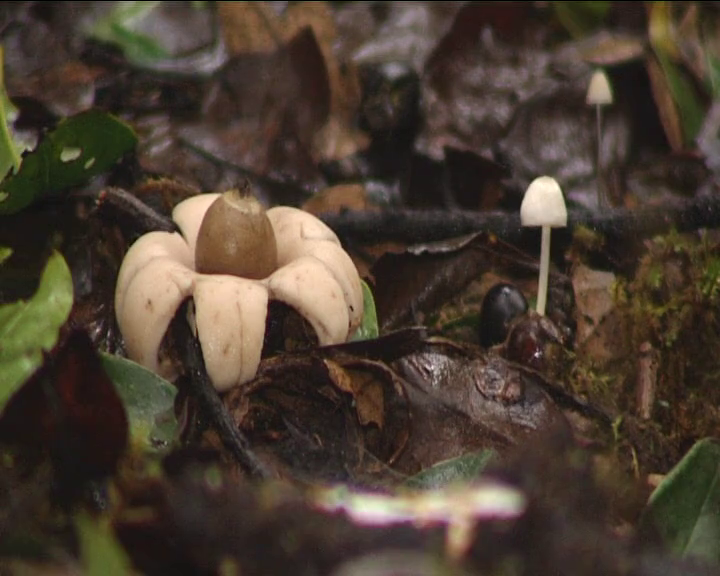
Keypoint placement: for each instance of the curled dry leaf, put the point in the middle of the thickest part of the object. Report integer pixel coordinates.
(339, 419)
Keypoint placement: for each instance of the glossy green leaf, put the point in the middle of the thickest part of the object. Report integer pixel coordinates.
(100, 551)
(80, 148)
(119, 28)
(369, 327)
(579, 18)
(10, 150)
(685, 509)
(28, 328)
(148, 401)
(463, 469)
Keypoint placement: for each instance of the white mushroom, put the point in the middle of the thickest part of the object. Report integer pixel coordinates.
(284, 254)
(599, 94)
(543, 205)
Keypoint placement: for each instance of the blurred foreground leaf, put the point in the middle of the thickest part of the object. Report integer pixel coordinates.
(81, 147)
(664, 40)
(685, 509)
(101, 553)
(119, 28)
(685, 96)
(5, 253)
(28, 328)
(579, 18)
(148, 401)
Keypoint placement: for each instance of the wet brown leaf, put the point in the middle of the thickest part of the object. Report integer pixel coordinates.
(476, 76)
(467, 400)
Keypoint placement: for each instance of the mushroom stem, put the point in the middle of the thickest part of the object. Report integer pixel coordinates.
(599, 94)
(601, 198)
(544, 270)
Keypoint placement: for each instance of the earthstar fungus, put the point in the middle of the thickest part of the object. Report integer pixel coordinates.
(306, 269)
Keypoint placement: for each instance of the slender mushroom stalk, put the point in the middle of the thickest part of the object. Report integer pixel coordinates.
(599, 94)
(543, 205)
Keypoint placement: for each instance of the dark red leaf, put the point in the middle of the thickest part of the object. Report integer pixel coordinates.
(71, 410)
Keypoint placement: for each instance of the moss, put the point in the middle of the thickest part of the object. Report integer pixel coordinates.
(670, 303)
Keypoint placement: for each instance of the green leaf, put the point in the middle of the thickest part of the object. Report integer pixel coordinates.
(463, 469)
(713, 65)
(663, 39)
(80, 148)
(120, 29)
(685, 96)
(685, 509)
(5, 253)
(369, 327)
(28, 328)
(579, 18)
(100, 551)
(10, 150)
(148, 401)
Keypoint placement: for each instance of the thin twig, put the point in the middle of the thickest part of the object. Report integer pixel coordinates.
(122, 203)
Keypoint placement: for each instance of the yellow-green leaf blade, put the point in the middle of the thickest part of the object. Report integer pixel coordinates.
(29, 327)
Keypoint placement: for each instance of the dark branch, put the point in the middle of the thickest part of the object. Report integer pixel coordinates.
(413, 226)
(211, 404)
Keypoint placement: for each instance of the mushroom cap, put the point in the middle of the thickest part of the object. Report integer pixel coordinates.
(543, 204)
(599, 91)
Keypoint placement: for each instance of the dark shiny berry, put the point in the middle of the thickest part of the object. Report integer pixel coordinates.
(502, 304)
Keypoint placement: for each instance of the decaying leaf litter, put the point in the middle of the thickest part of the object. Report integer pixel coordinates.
(413, 129)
